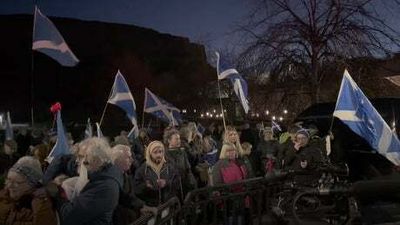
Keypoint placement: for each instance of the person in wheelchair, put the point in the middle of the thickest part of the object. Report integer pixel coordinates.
(304, 159)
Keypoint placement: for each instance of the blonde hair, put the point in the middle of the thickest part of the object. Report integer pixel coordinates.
(225, 140)
(225, 148)
(149, 162)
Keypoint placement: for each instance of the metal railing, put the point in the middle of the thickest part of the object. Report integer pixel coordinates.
(244, 202)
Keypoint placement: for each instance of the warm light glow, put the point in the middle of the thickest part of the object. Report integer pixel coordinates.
(195, 111)
(280, 118)
(267, 112)
(273, 118)
(285, 111)
(202, 115)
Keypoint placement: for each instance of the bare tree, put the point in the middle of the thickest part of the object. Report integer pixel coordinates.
(301, 39)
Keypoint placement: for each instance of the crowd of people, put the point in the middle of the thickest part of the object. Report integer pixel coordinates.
(117, 181)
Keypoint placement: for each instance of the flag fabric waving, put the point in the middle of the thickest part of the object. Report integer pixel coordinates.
(225, 71)
(122, 97)
(99, 132)
(357, 112)
(47, 40)
(61, 147)
(89, 129)
(161, 109)
(9, 129)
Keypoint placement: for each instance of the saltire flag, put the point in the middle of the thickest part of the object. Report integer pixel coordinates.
(122, 97)
(161, 109)
(89, 129)
(9, 129)
(99, 132)
(357, 112)
(200, 128)
(275, 126)
(61, 147)
(225, 71)
(47, 40)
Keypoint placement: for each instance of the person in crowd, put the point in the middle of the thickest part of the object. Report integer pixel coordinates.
(8, 156)
(176, 154)
(189, 141)
(63, 166)
(129, 205)
(268, 150)
(23, 138)
(207, 160)
(40, 152)
(156, 180)
(286, 147)
(97, 200)
(210, 151)
(229, 170)
(303, 157)
(144, 138)
(246, 158)
(232, 136)
(23, 200)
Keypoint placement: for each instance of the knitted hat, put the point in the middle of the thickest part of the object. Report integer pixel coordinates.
(30, 168)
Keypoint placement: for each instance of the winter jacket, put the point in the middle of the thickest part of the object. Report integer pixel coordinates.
(128, 209)
(28, 210)
(154, 196)
(226, 172)
(179, 158)
(96, 202)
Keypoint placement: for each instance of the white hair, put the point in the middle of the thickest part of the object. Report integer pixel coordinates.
(98, 149)
(30, 162)
(118, 151)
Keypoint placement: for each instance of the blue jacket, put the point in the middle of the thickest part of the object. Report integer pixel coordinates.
(97, 200)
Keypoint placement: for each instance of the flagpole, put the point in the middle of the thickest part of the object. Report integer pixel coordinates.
(219, 92)
(32, 68)
(220, 102)
(105, 107)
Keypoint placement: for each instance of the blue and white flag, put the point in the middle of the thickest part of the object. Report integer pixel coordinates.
(99, 132)
(89, 129)
(357, 112)
(121, 96)
(9, 129)
(161, 109)
(275, 126)
(47, 40)
(224, 71)
(61, 147)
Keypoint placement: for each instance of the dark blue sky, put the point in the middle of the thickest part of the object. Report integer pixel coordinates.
(209, 21)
